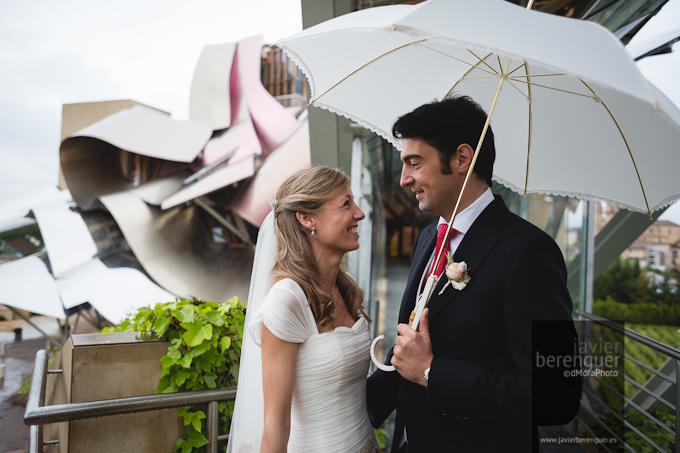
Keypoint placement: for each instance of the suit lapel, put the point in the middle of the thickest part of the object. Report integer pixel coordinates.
(425, 244)
(480, 239)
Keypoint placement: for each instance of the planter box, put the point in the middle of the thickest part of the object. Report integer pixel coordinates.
(107, 366)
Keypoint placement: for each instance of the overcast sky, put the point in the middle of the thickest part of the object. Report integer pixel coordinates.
(69, 51)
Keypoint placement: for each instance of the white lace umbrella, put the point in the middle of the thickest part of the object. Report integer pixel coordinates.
(575, 116)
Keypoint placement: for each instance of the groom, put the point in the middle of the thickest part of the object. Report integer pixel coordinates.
(467, 380)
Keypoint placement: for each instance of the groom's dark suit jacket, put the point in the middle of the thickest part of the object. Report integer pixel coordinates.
(479, 396)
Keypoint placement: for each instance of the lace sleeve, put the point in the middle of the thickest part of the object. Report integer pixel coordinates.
(286, 314)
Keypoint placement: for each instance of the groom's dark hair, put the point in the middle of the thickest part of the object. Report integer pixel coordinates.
(447, 124)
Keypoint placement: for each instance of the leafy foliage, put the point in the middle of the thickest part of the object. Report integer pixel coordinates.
(666, 334)
(638, 313)
(382, 435)
(626, 282)
(204, 352)
(623, 281)
(646, 426)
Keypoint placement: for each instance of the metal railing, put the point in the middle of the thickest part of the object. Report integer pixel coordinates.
(671, 353)
(37, 414)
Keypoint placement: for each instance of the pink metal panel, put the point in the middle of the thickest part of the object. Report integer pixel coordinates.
(241, 136)
(292, 156)
(273, 123)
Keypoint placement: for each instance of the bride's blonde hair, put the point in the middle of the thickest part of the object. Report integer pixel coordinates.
(306, 191)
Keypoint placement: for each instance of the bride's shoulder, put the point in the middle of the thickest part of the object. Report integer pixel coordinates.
(288, 284)
(287, 291)
(286, 302)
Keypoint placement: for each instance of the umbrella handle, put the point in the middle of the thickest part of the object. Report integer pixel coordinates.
(415, 315)
(377, 362)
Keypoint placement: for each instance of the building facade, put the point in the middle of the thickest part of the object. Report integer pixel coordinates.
(282, 78)
(657, 247)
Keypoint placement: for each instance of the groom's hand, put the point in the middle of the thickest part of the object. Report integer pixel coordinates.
(413, 350)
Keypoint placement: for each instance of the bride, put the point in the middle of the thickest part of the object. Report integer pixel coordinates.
(305, 355)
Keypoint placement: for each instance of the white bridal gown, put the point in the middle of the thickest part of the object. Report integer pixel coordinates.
(329, 399)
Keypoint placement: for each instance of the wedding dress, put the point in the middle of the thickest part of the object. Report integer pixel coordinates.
(329, 396)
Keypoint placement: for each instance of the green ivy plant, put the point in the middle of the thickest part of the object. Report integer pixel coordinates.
(646, 426)
(382, 435)
(204, 352)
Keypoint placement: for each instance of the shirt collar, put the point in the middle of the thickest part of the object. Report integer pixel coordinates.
(467, 216)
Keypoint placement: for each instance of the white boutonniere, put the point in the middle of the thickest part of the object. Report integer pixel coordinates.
(457, 273)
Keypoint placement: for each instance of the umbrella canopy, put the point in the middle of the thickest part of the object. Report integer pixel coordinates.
(575, 116)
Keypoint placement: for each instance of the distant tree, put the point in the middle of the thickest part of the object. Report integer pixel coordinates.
(624, 281)
(666, 292)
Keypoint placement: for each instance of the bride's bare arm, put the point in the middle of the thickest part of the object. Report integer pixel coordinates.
(278, 379)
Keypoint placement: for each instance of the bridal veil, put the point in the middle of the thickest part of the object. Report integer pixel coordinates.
(248, 419)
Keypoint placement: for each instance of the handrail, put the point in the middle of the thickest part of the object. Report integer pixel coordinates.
(650, 342)
(37, 414)
(635, 361)
(658, 347)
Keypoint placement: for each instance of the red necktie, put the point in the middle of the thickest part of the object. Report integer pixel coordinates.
(440, 239)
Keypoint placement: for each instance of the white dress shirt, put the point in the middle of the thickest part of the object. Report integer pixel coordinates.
(461, 224)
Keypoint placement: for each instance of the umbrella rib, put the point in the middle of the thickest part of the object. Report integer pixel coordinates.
(480, 77)
(367, 64)
(530, 131)
(480, 60)
(466, 77)
(555, 89)
(625, 141)
(518, 90)
(516, 69)
(536, 75)
(472, 66)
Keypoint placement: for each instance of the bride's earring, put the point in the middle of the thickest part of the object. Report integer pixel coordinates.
(313, 230)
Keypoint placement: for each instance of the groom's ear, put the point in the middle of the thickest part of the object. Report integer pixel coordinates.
(464, 155)
(305, 220)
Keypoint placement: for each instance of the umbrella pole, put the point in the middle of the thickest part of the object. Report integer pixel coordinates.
(431, 280)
